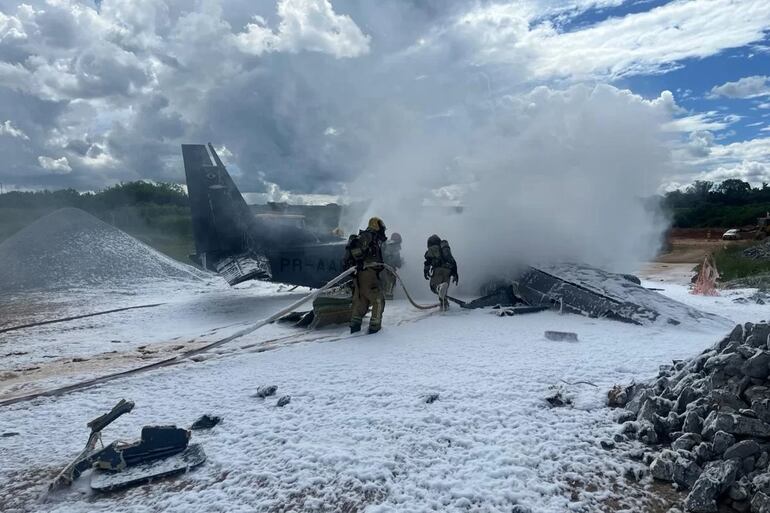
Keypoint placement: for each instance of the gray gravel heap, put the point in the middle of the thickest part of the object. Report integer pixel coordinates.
(760, 251)
(71, 248)
(707, 421)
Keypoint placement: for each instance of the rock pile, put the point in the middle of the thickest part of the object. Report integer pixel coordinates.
(708, 420)
(759, 297)
(71, 248)
(758, 252)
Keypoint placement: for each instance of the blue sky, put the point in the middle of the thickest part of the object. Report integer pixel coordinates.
(691, 80)
(739, 118)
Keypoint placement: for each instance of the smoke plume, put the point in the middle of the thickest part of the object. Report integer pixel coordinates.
(550, 175)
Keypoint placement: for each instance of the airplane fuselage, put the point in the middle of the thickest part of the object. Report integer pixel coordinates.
(310, 265)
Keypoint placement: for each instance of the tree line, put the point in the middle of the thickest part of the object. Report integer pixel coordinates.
(704, 204)
(121, 195)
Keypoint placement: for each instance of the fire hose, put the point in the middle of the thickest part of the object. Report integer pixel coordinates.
(238, 334)
(76, 317)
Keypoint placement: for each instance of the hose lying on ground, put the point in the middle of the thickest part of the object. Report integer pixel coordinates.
(75, 317)
(406, 292)
(187, 354)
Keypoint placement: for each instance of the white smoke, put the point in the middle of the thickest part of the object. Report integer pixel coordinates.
(549, 175)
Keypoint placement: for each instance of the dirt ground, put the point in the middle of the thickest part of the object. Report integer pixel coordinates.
(684, 250)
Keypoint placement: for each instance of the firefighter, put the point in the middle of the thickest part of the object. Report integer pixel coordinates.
(440, 267)
(364, 251)
(391, 254)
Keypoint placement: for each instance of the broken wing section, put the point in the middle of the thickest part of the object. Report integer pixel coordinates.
(539, 287)
(586, 290)
(224, 229)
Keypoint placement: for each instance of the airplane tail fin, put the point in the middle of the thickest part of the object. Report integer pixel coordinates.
(223, 226)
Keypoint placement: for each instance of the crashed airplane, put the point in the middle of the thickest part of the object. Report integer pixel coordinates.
(234, 243)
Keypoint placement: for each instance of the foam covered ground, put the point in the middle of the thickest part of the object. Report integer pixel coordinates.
(185, 316)
(358, 435)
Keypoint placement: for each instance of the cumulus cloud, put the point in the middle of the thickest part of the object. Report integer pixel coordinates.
(313, 96)
(753, 150)
(748, 171)
(310, 25)
(11, 28)
(56, 166)
(711, 120)
(7, 128)
(700, 143)
(747, 87)
(707, 159)
(645, 42)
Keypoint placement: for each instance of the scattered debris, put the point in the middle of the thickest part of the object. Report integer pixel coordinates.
(161, 451)
(84, 459)
(206, 421)
(580, 383)
(494, 295)
(283, 401)
(708, 419)
(155, 442)
(265, 391)
(431, 398)
(183, 461)
(706, 282)
(558, 396)
(559, 336)
(510, 311)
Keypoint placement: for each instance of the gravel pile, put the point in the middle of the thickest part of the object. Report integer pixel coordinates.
(708, 422)
(759, 252)
(70, 248)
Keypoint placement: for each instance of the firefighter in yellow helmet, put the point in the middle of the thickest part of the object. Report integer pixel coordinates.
(364, 251)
